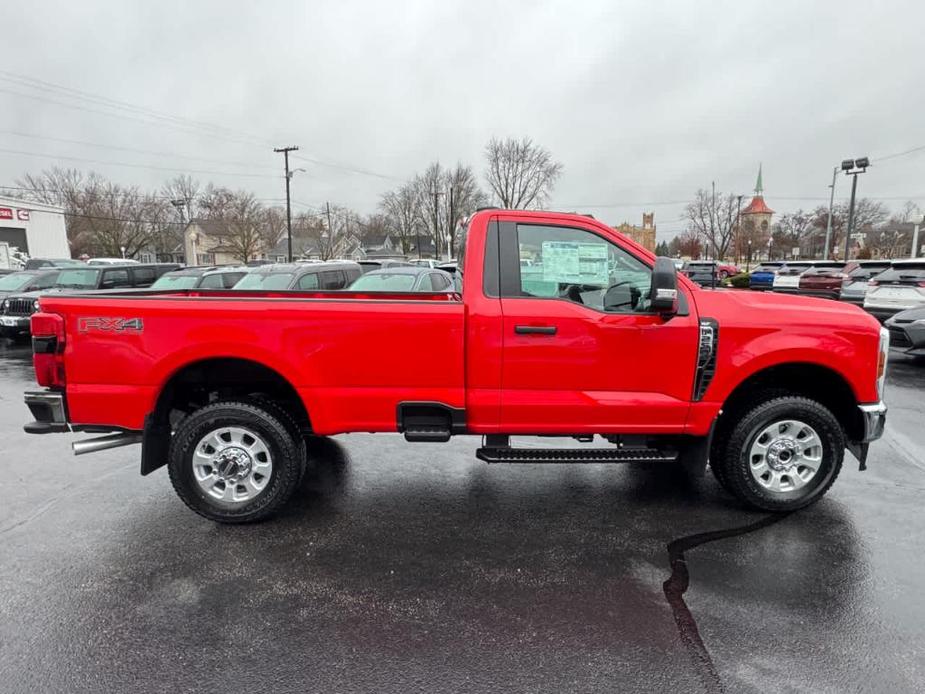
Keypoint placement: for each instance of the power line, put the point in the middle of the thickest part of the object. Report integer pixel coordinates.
(70, 92)
(84, 143)
(139, 166)
(877, 160)
(186, 125)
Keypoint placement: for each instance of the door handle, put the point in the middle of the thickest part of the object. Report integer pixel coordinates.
(535, 329)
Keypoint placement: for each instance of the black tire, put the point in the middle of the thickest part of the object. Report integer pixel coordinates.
(280, 435)
(732, 467)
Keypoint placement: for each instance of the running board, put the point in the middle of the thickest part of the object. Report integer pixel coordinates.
(574, 455)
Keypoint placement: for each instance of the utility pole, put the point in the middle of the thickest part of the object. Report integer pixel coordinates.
(436, 193)
(915, 241)
(327, 207)
(828, 226)
(739, 233)
(450, 226)
(286, 151)
(179, 204)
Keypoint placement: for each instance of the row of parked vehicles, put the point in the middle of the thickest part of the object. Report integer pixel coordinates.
(20, 291)
(891, 290)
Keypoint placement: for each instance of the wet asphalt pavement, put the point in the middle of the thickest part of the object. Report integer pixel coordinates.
(416, 568)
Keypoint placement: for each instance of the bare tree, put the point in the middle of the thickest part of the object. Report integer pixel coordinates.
(712, 217)
(243, 217)
(401, 207)
(273, 226)
(520, 173)
(462, 198)
(867, 213)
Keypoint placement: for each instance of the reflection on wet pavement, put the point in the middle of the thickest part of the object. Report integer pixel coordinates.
(418, 568)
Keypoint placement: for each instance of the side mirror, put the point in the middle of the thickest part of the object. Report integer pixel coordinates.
(663, 294)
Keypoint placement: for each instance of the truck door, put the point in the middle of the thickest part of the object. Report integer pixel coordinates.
(581, 351)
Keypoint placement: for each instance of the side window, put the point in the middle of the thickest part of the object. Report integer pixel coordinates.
(439, 282)
(229, 279)
(144, 276)
(332, 279)
(43, 282)
(309, 281)
(579, 266)
(426, 284)
(353, 274)
(211, 281)
(115, 278)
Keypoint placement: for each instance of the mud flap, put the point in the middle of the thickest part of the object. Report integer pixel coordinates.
(859, 451)
(155, 442)
(695, 455)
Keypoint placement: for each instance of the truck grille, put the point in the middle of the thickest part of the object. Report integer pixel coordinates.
(19, 307)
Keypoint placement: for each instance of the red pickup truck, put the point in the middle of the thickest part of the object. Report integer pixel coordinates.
(563, 327)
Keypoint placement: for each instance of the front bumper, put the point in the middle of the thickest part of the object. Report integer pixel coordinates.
(874, 418)
(10, 326)
(907, 337)
(50, 411)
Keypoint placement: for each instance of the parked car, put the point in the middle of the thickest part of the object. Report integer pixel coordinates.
(703, 272)
(404, 279)
(17, 309)
(824, 279)
(209, 277)
(854, 286)
(370, 265)
(26, 281)
(907, 331)
(608, 340)
(424, 262)
(898, 288)
(787, 277)
(36, 263)
(305, 276)
(762, 277)
(112, 261)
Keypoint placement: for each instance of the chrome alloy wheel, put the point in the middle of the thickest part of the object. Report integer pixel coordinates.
(785, 456)
(232, 464)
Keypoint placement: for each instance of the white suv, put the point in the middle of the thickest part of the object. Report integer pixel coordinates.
(898, 288)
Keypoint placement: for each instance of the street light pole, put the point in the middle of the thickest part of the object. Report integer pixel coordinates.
(853, 167)
(286, 151)
(828, 226)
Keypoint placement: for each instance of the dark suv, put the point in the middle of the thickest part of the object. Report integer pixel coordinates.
(17, 309)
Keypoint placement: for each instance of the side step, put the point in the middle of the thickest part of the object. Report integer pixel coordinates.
(574, 455)
(427, 434)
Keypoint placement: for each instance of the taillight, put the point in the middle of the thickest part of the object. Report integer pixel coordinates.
(921, 284)
(872, 283)
(48, 349)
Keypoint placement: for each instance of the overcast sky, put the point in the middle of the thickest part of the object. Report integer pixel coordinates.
(643, 102)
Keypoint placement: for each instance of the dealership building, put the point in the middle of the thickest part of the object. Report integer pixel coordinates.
(34, 228)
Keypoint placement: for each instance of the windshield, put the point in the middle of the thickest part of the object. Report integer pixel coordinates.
(175, 282)
(77, 279)
(898, 273)
(765, 268)
(382, 282)
(15, 281)
(265, 280)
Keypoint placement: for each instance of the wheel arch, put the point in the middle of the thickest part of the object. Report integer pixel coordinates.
(813, 380)
(201, 381)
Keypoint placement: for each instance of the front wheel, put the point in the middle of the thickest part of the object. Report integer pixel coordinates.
(236, 461)
(782, 454)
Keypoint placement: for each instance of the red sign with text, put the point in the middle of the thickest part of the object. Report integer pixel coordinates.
(6, 213)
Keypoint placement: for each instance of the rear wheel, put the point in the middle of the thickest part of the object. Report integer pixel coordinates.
(782, 454)
(236, 461)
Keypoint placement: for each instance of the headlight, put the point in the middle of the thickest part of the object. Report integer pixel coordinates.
(881, 360)
(920, 321)
(6, 302)
(35, 305)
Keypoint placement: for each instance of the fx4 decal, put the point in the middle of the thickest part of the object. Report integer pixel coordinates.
(109, 325)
